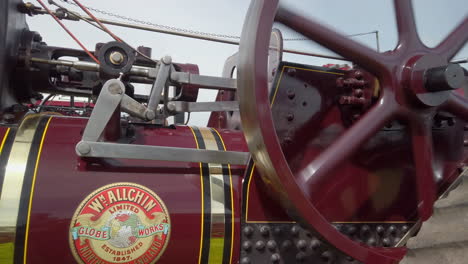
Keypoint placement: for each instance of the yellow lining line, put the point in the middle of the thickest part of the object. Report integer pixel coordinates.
(248, 191)
(32, 190)
(13, 181)
(4, 139)
(304, 69)
(202, 200)
(247, 204)
(232, 198)
(276, 88)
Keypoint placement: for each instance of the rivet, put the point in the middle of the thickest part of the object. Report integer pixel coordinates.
(260, 245)
(271, 245)
(380, 229)
(291, 94)
(315, 244)
(365, 230)
(264, 230)
(248, 231)
(371, 242)
(404, 228)
(247, 245)
(292, 72)
(290, 117)
(286, 244)
(392, 229)
(277, 231)
(295, 230)
(358, 75)
(275, 258)
(245, 260)
(350, 229)
(358, 92)
(338, 227)
(326, 256)
(301, 244)
(386, 242)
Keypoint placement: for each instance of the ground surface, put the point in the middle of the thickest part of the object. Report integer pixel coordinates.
(444, 237)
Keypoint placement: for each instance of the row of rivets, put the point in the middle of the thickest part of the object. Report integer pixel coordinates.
(286, 243)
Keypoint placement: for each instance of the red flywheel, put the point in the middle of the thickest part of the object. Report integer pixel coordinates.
(416, 82)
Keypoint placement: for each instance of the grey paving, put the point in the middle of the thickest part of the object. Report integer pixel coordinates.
(444, 237)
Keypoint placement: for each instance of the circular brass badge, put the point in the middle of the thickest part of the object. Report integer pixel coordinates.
(120, 223)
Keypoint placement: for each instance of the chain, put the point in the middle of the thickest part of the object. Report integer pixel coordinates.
(184, 30)
(142, 22)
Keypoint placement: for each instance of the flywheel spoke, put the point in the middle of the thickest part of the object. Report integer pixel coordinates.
(407, 33)
(421, 137)
(457, 105)
(347, 144)
(454, 41)
(369, 59)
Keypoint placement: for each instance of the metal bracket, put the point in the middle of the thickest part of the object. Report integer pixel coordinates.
(160, 83)
(112, 95)
(206, 82)
(108, 101)
(134, 108)
(128, 151)
(222, 106)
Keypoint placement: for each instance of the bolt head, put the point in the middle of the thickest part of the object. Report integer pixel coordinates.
(83, 148)
(167, 59)
(150, 115)
(171, 107)
(116, 58)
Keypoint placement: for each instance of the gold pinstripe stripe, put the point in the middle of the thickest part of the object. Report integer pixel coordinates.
(202, 199)
(4, 139)
(218, 207)
(232, 200)
(13, 183)
(32, 190)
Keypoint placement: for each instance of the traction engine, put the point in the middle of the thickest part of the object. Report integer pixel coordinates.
(297, 164)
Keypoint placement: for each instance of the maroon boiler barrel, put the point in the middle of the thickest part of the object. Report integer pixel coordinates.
(60, 208)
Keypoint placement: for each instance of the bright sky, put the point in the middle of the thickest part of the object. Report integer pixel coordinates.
(435, 18)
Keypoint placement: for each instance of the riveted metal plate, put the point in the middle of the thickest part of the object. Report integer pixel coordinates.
(286, 243)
